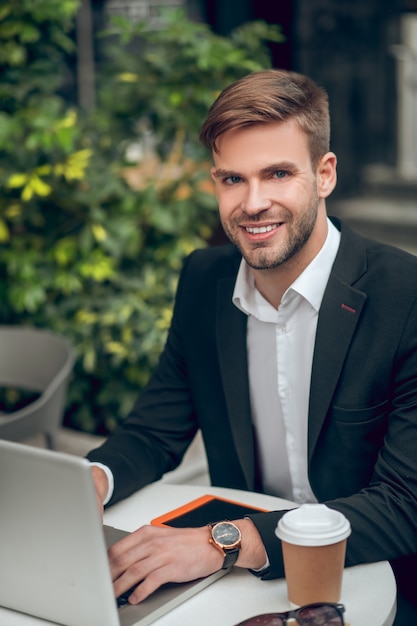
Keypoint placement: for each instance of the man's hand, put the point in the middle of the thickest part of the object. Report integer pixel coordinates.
(152, 556)
(101, 485)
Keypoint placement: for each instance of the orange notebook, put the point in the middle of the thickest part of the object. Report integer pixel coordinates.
(205, 510)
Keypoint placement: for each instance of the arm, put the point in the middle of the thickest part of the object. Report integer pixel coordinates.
(364, 463)
(152, 556)
(383, 513)
(161, 425)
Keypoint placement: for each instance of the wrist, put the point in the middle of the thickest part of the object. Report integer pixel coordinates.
(252, 554)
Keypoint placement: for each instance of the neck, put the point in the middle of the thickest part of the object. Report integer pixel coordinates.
(273, 283)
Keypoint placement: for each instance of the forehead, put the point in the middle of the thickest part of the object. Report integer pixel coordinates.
(260, 145)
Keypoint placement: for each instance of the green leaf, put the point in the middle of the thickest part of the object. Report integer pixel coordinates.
(89, 253)
(17, 180)
(4, 231)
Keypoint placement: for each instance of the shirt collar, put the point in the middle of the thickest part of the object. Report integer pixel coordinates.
(310, 284)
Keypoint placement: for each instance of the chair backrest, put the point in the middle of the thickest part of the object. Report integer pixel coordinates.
(35, 360)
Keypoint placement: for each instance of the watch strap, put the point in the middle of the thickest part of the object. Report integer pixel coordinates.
(230, 558)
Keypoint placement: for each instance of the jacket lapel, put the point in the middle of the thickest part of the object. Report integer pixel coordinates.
(339, 315)
(231, 346)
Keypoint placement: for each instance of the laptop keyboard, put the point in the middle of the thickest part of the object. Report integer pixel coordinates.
(123, 599)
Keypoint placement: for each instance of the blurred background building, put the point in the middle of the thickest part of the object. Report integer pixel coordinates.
(364, 52)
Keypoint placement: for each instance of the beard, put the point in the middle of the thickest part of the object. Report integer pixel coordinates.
(264, 256)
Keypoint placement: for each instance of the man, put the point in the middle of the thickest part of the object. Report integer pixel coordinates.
(293, 350)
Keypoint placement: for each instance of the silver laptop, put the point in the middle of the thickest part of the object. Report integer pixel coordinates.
(53, 557)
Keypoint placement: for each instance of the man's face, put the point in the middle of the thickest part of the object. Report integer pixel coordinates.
(267, 193)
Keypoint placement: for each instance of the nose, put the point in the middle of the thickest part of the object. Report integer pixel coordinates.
(256, 199)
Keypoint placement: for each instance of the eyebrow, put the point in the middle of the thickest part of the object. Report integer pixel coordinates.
(270, 169)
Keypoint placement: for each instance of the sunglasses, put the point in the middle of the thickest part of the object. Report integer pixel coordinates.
(319, 614)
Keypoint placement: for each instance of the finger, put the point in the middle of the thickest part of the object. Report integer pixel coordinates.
(153, 556)
(101, 485)
(149, 585)
(100, 507)
(157, 577)
(130, 550)
(136, 556)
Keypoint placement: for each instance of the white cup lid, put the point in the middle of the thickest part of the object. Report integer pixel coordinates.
(313, 525)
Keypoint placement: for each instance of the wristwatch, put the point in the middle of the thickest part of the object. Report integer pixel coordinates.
(227, 538)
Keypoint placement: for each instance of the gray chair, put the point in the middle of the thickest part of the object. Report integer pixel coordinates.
(39, 361)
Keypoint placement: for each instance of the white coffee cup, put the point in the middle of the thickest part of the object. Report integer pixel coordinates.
(313, 540)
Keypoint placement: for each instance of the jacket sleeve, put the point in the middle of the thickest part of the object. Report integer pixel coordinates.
(153, 438)
(383, 512)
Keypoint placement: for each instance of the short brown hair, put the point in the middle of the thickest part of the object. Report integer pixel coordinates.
(271, 96)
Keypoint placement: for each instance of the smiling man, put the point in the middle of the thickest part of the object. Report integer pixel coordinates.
(271, 200)
(293, 350)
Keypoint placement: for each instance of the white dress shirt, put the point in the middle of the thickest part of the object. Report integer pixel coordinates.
(280, 345)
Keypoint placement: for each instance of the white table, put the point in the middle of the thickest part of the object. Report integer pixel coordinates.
(369, 591)
(240, 594)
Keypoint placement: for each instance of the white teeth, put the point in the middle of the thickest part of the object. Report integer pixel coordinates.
(260, 229)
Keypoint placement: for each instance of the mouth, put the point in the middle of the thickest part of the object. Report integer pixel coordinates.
(261, 230)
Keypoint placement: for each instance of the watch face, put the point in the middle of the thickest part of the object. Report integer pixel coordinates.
(226, 534)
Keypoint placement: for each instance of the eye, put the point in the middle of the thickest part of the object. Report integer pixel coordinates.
(280, 174)
(232, 180)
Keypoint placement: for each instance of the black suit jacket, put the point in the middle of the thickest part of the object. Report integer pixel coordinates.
(362, 424)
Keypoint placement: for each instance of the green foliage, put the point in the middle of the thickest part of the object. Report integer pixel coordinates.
(98, 211)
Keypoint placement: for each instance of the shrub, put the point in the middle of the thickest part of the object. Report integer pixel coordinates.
(98, 210)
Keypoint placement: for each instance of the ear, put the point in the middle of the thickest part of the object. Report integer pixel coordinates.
(213, 173)
(326, 174)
